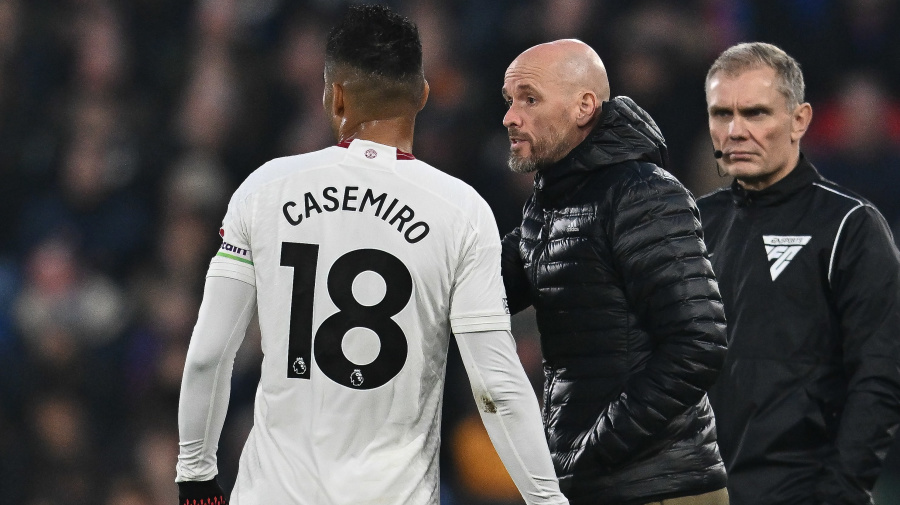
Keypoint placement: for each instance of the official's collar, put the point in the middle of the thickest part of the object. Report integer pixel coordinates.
(800, 177)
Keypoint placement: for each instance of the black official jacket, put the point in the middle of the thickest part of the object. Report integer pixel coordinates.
(809, 397)
(632, 326)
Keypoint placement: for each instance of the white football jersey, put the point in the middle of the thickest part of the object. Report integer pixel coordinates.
(364, 259)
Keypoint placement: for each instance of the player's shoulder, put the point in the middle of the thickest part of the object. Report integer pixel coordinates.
(278, 169)
(455, 195)
(439, 184)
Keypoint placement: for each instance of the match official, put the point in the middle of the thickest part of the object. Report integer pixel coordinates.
(809, 399)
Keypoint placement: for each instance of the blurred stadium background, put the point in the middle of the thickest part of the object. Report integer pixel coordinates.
(126, 124)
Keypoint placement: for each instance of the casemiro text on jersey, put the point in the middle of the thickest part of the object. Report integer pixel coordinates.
(349, 200)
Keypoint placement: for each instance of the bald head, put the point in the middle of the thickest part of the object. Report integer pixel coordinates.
(555, 93)
(572, 62)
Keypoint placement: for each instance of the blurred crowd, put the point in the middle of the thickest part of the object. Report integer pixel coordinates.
(126, 124)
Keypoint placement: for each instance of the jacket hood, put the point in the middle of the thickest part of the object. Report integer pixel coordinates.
(624, 132)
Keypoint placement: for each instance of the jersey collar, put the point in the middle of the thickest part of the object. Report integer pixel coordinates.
(401, 155)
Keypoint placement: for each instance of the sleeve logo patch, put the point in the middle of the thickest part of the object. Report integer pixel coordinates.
(229, 251)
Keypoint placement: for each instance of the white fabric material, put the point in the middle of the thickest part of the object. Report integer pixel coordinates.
(362, 265)
(226, 310)
(238, 266)
(510, 413)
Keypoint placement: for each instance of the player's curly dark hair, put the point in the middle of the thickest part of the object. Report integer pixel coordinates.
(378, 42)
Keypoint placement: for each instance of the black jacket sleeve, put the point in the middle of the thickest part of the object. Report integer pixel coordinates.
(518, 290)
(865, 285)
(669, 282)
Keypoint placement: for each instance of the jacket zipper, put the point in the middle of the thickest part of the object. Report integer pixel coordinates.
(551, 381)
(545, 227)
(539, 252)
(551, 374)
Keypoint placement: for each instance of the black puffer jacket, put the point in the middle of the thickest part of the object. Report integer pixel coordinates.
(610, 253)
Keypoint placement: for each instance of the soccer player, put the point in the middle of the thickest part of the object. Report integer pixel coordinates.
(361, 260)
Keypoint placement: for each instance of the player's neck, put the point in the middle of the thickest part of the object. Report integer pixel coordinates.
(396, 131)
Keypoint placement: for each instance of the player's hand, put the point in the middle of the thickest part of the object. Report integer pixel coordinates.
(205, 492)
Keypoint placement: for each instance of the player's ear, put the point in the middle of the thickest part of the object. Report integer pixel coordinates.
(337, 100)
(425, 91)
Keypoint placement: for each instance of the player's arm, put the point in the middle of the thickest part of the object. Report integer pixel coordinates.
(504, 395)
(865, 282)
(227, 307)
(510, 413)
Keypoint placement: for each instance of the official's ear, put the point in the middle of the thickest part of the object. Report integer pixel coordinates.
(802, 117)
(587, 108)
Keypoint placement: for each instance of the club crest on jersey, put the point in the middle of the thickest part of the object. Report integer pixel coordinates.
(356, 378)
(781, 249)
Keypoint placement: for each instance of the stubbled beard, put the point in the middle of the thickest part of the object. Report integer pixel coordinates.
(544, 152)
(521, 165)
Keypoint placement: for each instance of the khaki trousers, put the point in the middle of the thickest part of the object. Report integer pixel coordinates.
(719, 497)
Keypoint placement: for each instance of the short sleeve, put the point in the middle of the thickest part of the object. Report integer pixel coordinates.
(234, 258)
(478, 299)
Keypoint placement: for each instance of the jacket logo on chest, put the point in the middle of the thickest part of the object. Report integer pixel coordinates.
(781, 249)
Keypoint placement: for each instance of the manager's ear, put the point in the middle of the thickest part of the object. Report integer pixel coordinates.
(588, 104)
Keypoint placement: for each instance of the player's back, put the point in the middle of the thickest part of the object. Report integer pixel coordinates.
(361, 256)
